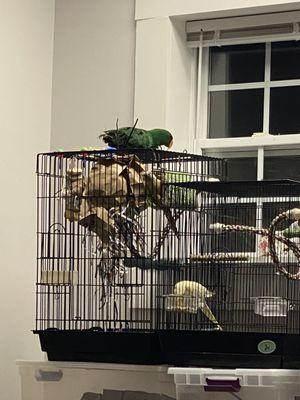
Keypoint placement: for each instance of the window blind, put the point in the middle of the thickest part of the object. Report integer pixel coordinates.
(246, 29)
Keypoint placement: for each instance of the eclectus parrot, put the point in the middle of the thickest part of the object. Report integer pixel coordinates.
(135, 138)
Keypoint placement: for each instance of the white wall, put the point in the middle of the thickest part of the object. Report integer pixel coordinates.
(163, 8)
(163, 79)
(164, 65)
(26, 32)
(97, 78)
(151, 69)
(93, 84)
(93, 73)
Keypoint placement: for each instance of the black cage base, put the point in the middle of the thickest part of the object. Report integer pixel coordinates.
(178, 348)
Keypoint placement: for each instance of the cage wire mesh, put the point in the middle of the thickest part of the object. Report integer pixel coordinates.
(111, 228)
(249, 260)
(155, 240)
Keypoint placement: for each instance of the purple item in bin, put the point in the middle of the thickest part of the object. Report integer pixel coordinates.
(222, 385)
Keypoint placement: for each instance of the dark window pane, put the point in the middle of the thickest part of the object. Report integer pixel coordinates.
(236, 113)
(272, 209)
(282, 167)
(285, 60)
(239, 169)
(284, 110)
(237, 64)
(232, 214)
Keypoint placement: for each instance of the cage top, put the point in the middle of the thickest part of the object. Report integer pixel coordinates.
(145, 155)
(263, 188)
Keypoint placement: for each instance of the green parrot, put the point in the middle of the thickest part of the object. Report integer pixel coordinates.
(135, 138)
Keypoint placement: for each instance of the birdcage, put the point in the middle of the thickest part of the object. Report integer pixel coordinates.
(113, 226)
(153, 257)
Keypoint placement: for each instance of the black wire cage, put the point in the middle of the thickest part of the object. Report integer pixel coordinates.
(152, 257)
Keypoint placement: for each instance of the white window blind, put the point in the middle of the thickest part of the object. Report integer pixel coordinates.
(252, 29)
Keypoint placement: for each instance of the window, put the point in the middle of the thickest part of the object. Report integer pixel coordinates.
(254, 88)
(280, 164)
(241, 168)
(248, 82)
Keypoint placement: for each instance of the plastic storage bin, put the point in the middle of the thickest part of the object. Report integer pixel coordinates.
(91, 381)
(244, 384)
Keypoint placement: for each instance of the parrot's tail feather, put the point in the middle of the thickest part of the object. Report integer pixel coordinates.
(114, 137)
(208, 313)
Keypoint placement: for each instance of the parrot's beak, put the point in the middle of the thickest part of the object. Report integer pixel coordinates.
(170, 144)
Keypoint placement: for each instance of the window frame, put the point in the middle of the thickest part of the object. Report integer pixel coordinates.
(202, 109)
(266, 85)
(260, 145)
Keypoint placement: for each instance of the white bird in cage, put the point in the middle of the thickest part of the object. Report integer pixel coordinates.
(192, 295)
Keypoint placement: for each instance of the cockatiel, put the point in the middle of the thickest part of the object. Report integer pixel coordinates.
(135, 138)
(198, 293)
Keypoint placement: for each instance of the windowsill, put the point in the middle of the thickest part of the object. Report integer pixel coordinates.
(269, 141)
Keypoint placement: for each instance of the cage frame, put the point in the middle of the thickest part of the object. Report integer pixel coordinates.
(159, 345)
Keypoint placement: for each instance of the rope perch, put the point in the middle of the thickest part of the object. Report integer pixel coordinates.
(272, 237)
